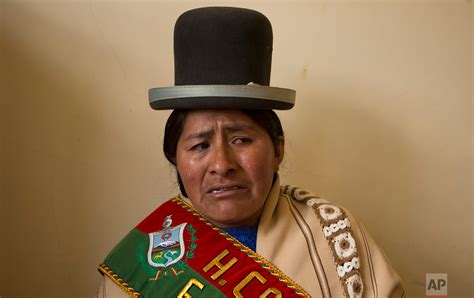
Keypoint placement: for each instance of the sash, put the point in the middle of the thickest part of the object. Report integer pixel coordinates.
(176, 252)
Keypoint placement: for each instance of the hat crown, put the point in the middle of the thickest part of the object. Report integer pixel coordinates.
(222, 45)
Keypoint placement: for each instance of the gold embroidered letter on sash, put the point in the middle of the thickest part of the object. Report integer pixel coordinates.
(217, 262)
(246, 280)
(184, 292)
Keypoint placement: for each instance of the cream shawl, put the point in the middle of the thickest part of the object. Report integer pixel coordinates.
(302, 235)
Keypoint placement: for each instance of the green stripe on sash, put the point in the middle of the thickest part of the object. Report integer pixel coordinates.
(150, 281)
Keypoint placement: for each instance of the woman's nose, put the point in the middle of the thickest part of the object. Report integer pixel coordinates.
(222, 160)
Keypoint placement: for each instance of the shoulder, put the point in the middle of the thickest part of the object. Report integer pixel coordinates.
(360, 264)
(129, 261)
(334, 223)
(134, 244)
(332, 217)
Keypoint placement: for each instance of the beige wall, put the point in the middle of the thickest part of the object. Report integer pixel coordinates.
(382, 125)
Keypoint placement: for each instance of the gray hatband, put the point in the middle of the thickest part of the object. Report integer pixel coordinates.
(244, 91)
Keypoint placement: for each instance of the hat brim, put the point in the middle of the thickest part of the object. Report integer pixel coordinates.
(253, 97)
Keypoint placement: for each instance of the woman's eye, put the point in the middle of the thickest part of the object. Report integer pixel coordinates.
(200, 147)
(242, 140)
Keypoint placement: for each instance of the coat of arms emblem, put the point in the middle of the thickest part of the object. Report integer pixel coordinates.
(167, 245)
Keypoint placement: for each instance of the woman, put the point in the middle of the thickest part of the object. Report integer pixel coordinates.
(234, 231)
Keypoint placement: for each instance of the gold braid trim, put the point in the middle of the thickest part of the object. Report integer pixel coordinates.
(250, 253)
(103, 268)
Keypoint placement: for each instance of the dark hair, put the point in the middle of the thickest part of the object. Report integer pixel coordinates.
(267, 119)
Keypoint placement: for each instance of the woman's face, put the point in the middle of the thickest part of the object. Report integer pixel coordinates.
(226, 162)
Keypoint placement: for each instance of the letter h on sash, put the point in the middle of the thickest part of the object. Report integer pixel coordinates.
(222, 267)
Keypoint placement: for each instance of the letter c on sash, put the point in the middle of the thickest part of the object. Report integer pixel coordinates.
(246, 280)
(271, 290)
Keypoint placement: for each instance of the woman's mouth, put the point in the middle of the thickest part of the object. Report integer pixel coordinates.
(223, 189)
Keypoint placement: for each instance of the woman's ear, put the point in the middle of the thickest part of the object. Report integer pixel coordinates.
(279, 151)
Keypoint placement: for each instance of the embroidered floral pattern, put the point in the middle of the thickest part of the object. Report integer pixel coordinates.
(336, 227)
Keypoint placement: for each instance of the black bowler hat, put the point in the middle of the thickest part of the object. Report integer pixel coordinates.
(222, 59)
